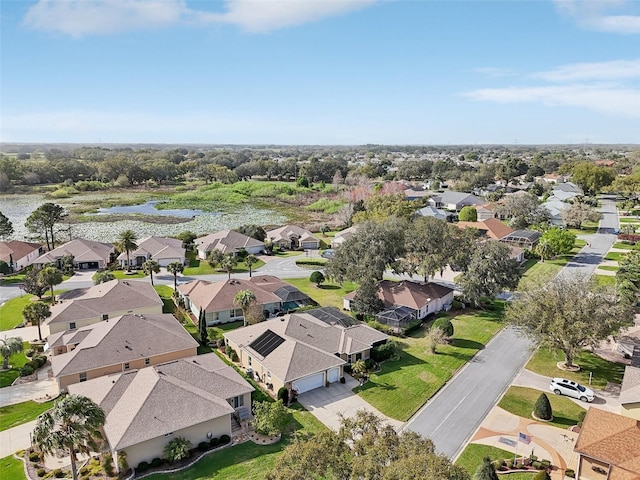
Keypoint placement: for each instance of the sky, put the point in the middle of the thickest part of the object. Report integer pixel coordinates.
(330, 72)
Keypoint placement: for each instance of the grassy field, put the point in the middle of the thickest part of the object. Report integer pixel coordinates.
(605, 280)
(11, 468)
(472, 456)
(14, 415)
(16, 361)
(328, 295)
(538, 272)
(544, 362)
(615, 256)
(610, 268)
(520, 401)
(403, 385)
(123, 274)
(247, 460)
(11, 310)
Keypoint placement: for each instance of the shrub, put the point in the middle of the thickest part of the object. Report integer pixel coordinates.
(546, 463)
(537, 465)
(35, 456)
(234, 356)
(203, 446)
(444, 324)
(32, 363)
(224, 439)
(40, 360)
(542, 475)
(177, 449)
(107, 464)
(26, 370)
(228, 350)
(317, 278)
(58, 473)
(41, 472)
(83, 471)
(143, 467)
(384, 352)
(38, 348)
(542, 408)
(468, 214)
(28, 352)
(156, 462)
(343, 380)
(509, 464)
(570, 473)
(270, 418)
(283, 394)
(381, 327)
(581, 416)
(214, 442)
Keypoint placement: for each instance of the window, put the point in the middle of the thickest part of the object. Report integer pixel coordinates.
(83, 376)
(249, 361)
(105, 316)
(358, 356)
(147, 361)
(126, 366)
(237, 401)
(72, 325)
(235, 313)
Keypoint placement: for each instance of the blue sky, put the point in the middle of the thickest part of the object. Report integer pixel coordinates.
(320, 72)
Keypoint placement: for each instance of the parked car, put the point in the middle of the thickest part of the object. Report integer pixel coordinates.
(328, 253)
(561, 386)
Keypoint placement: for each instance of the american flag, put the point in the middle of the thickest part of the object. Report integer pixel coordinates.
(524, 438)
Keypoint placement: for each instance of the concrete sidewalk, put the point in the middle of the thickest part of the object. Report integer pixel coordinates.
(37, 390)
(16, 438)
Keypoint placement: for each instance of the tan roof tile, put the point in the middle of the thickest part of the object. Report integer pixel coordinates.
(493, 227)
(630, 391)
(218, 296)
(227, 241)
(80, 249)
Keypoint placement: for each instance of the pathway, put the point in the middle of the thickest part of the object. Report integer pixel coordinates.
(16, 438)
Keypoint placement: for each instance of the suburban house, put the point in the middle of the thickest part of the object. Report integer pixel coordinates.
(412, 194)
(555, 208)
(523, 238)
(568, 187)
(607, 447)
(562, 196)
(517, 254)
(118, 344)
(198, 398)
(454, 201)
(292, 237)
(227, 241)
(630, 393)
(162, 250)
(341, 236)
(301, 352)
(87, 254)
(485, 212)
(420, 298)
(86, 306)
(490, 228)
(434, 212)
(290, 296)
(19, 255)
(216, 299)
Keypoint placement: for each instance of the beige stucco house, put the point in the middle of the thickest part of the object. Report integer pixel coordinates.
(195, 397)
(86, 306)
(608, 447)
(630, 393)
(227, 241)
(86, 254)
(116, 345)
(300, 351)
(161, 249)
(293, 237)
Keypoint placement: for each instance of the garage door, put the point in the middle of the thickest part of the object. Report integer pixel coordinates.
(309, 383)
(334, 375)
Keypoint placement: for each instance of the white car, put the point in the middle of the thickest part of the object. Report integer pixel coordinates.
(561, 386)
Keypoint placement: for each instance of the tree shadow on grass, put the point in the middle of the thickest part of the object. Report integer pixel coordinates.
(465, 343)
(329, 287)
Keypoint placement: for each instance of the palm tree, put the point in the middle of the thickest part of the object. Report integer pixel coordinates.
(175, 268)
(245, 299)
(35, 313)
(249, 261)
(228, 263)
(127, 242)
(9, 346)
(150, 267)
(544, 249)
(73, 425)
(102, 277)
(50, 276)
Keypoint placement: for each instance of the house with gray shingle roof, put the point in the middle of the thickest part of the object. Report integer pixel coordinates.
(161, 249)
(194, 397)
(454, 201)
(301, 352)
(119, 344)
(86, 254)
(227, 241)
(85, 306)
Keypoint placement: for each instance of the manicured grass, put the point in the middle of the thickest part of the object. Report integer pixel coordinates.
(627, 246)
(544, 362)
(521, 400)
(538, 272)
(472, 456)
(610, 268)
(403, 385)
(615, 256)
(247, 460)
(16, 361)
(204, 268)
(605, 280)
(17, 278)
(328, 294)
(11, 468)
(629, 220)
(11, 311)
(122, 274)
(288, 253)
(14, 415)
(166, 294)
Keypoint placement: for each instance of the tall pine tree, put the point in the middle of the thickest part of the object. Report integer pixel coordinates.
(202, 328)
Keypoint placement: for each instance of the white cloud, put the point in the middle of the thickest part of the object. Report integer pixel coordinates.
(593, 15)
(86, 17)
(602, 98)
(613, 70)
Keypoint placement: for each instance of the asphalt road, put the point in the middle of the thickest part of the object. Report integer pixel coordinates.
(452, 416)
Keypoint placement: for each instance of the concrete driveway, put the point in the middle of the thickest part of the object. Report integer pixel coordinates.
(328, 403)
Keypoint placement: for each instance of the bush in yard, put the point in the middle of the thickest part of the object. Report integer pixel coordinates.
(468, 214)
(542, 409)
(107, 464)
(486, 471)
(270, 418)
(177, 449)
(58, 473)
(156, 462)
(283, 394)
(570, 473)
(142, 467)
(317, 278)
(224, 439)
(26, 370)
(234, 356)
(203, 446)
(536, 465)
(444, 324)
(384, 352)
(542, 475)
(41, 472)
(29, 352)
(214, 442)
(228, 350)
(581, 416)
(35, 456)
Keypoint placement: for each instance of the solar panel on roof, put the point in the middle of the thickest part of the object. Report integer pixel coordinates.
(266, 343)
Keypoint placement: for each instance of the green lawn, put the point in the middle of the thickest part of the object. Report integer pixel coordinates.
(538, 272)
(610, 268)
(629, 220)
(544, 362)
(627, 246)
(587, 228)
(615, 256)
(521, 400)
(122, 274)
(16, 361)
(16, 278)
(405, 384)
(166, 292)
(247, 460)
(328, 294)
(14, 415)
(472, 456)
(11, 311)
(288, 253)
(203, 268)
(11, 468)
(605, 280)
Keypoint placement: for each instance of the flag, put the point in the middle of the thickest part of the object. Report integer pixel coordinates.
(524, 438)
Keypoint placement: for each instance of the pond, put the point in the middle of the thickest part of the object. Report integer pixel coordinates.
(116, 219)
